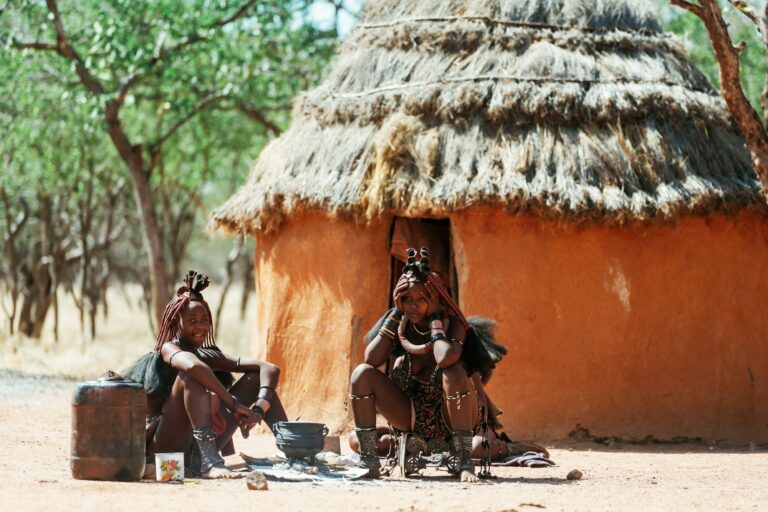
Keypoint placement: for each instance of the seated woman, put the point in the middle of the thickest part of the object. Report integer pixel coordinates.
(190, 395)
(434, 388)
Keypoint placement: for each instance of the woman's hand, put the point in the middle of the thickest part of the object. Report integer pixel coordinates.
(400, 290)
(245, 428)
(246, 419)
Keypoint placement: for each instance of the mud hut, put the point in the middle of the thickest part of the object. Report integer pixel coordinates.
(587, 187)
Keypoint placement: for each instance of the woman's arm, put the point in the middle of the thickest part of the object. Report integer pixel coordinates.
(269, 374)
(189, 363)
(448, 351)
(378, 351)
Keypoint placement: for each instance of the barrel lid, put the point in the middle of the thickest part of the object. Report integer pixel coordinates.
(111, 376)
(109, 379)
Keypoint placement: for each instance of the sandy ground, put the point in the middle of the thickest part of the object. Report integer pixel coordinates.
(35, 435)
(35, 474)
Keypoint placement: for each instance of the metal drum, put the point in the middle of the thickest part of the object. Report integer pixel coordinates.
(299, 439)
(108, 441)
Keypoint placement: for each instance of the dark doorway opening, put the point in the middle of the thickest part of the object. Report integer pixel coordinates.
(435, 234)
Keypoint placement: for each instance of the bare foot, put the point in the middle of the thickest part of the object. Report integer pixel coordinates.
(221, 471)
(467, 476)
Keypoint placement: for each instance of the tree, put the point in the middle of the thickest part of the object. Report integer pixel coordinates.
(59, 199)
(728, 58)
(147, 69)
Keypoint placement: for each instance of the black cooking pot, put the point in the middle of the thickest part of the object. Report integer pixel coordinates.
(299, 439)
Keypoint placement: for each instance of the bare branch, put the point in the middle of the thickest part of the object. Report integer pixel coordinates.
(134, 78)
(689, 6)
(742, 111)
(259, 117)
(122, 91)
(201, 105)
(216, 25)
(745, 9)
(764, 95)
(764, 26)
(36, 45)
(64, 49)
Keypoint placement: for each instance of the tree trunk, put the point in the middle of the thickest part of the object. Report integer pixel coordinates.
(46, 270)
(36, 294)
(232, 259)
(41, 310)
(12, 260)
(85, 214)
(727, 55)
(142, 193)
(764, 95)
(248, 283)
(25, 315)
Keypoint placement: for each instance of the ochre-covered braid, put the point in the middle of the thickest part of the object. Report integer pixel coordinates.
(194, 284)
(419, 271)
(437, 283)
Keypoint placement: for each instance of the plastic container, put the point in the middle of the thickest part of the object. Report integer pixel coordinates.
(108, 440)
(169, 467)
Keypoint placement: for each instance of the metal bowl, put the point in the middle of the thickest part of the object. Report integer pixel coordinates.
(299, 439)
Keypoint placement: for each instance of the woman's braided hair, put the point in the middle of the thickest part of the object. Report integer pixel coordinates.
(194, 284)
(419, 272)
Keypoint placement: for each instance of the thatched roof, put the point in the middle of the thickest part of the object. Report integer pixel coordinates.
(566, 108)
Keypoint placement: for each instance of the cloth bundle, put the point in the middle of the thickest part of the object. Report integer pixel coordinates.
(526, 460)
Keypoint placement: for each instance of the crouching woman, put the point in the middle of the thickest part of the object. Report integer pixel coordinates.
(193, 405)
(431, 389)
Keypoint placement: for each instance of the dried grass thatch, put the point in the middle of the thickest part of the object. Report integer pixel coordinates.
(567, 108)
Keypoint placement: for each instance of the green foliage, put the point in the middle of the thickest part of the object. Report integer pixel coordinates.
(202, 86)
(190, 67)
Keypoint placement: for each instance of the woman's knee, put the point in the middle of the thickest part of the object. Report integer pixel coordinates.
(454, 374)
(361, 373)
(252, 377)
(189, 383)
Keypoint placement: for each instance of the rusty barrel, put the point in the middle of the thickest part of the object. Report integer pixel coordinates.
(108, 442)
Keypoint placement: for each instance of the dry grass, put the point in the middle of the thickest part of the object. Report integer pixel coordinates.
(121, 338)
(432, 107)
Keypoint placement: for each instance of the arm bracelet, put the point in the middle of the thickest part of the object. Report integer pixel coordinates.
(437, 336)
(262, 404)
(391, 323)
(393, 319)
(268, 394)
(233, 407)
(386, 333)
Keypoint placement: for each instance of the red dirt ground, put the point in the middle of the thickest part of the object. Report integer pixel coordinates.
(35, 475)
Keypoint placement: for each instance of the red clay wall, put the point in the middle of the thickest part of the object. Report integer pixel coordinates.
(320, 285)
(645, 330)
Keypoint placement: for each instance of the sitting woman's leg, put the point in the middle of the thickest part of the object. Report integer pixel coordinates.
(246, 389)
(384, 435)
(498, 449)
(187, 416)
(370, 390)
(461, 406)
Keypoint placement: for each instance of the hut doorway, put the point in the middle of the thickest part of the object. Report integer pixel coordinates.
(435, 234)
